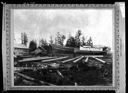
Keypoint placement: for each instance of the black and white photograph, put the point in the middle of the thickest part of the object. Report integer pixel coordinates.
(63, 47)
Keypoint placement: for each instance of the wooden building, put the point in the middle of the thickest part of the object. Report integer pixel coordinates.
(20, 49)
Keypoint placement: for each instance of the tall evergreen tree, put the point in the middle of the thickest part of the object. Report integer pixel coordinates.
(89, 42)
(71, 42)
(43, 42)
(77, 38)
(83, 41)
(51, 40)
(24, 38)
(32, 45)
(59, 40)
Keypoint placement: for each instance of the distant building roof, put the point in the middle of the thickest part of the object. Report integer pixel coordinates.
(98, 46)
(20, 46)
(86, 46)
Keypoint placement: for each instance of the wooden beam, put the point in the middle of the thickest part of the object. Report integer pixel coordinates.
(24, 76)
(32, 79)
(86, 60)
(55, 59)
(26, 68)
(60, 73)
(69, 60)
(27, 56)
(93, 56)
(75, 61)
(99, 60)
(34, 59)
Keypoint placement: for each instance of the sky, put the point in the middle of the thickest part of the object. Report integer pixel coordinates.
(43, 23)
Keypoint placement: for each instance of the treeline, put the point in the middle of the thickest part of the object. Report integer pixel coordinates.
(72, 41)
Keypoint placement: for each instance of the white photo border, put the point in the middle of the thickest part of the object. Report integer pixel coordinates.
(7, 49)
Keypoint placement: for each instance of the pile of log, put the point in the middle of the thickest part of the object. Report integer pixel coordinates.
(53, 64)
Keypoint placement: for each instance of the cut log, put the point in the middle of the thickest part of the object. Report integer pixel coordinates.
(69, 60)
(55, 59)
(86, 60)
(34, 59)
(26, 68)
(99, 60)
(25, 56)
(77, 60)
(32, 79)
(60, 73)
(93, 55)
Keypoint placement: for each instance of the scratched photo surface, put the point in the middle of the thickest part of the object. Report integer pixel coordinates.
(63, 47)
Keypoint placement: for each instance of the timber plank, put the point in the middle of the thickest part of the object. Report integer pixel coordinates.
(99, 60)
(93, 56)
(34, 59)
(55, 59)
(75, 61)
(69, 60)
(86, 60)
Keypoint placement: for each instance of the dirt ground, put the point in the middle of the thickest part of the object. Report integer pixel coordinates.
(91, 73)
